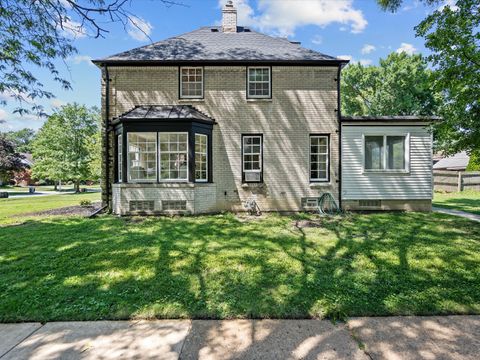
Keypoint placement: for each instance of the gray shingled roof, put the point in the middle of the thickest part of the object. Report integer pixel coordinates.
(390, 118)
(211, 44)
(148, 112)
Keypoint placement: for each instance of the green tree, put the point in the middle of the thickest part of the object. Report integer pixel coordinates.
(474, 162)
(399, 85)
(452, 35)
(22, 139)
(10, 159)
(62, 149)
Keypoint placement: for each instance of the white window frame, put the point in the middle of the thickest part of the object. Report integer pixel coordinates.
(182, 96)
(119, 157)
(129, 179)
(261, 82)
(260, 171)
(159, 157)
(327, 178)
(206, 157)
(406, 169)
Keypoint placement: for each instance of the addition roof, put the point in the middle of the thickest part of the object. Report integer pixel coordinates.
(210, 44)
(390, 118)
(164, 112)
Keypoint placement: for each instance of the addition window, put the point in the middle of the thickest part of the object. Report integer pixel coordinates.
(259, 82)
(252, 158)
(191, 82)
(201, 158)
(119, 157)
(173, 150)
(319, 157)
(142, 157)
(386, 152)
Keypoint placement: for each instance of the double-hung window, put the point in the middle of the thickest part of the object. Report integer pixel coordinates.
(142, 156)
(119, 157)
(173, 151)
(386, 152)
(252, 158)
(259, 82)
(191, 82)
(201, 158)
(319, 158)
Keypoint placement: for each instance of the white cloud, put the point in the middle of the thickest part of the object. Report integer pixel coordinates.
(345, 57)
(139, 29)
(56, 103)
(17, 121)
(78, 59)
(367, 49)
(365, 62)
(317, 40)
(450, 3)
(284, 17)
(73, 29)
(407, 48)
(3, 115)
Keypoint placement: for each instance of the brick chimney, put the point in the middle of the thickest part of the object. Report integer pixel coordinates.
(229, 18)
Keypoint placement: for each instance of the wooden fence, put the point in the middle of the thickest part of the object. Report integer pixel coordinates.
(456, 180)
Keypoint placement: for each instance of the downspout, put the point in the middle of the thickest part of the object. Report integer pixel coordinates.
(339, 115)
(107, 142)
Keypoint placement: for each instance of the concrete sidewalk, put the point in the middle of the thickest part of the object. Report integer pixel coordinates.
(464, 214)
(448, 337)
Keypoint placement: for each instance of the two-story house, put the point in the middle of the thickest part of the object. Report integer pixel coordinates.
(212, 119)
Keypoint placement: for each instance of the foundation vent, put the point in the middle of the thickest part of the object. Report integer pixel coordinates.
(310, 203)
(176, 205)
(370, 203)
(142, 205)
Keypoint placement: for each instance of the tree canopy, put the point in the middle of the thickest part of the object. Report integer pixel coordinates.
(399, 85)
(36, 33)
(451, 33)
(64, 147)
(10, 159)
(22, 139)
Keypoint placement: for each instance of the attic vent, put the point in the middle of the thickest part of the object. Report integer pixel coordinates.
(246, 30)
(214, 30)
(178, 205)
(296, 42)
(369, 203)
(141, 205)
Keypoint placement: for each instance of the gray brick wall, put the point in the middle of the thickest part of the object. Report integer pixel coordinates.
(304, 102)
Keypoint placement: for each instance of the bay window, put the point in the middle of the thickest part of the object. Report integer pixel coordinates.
(173, 156)
(319, 158)
(142, 156)
(386, 152)
(201, 157)
(252, 158)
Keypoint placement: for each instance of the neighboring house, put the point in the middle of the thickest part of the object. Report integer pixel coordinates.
(209, 120)
(24, 177)
(457, 162)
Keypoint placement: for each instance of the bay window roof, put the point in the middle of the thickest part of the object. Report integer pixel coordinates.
(164, 112)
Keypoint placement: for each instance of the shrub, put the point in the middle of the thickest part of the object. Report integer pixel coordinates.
(474, 162)
(85, 203)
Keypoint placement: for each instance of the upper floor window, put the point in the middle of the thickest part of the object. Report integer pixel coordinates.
(386, 152)
(191, 82)
(319, 157)
(252, 158)
(142, 156)
(259, 82)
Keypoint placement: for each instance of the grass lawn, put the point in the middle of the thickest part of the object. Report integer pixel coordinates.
(222, 267)
(25, 205)
(19, 190)
(468, 201)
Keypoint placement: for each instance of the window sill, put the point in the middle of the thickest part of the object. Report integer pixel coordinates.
(192, 100)
(259, 100)
(386, 172)
(320, 184)
(252, 185)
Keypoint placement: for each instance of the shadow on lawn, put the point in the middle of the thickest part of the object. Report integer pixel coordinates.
(220, 267)
(463, 204)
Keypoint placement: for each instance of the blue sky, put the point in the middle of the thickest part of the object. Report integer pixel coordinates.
(356, 29)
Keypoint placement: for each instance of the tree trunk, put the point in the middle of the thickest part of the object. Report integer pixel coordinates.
(77, 186)
(55, 185)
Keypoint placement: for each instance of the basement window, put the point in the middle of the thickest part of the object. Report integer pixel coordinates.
(175, 205)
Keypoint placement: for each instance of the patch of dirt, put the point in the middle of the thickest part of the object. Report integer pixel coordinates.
(307, 224)
(68, 210)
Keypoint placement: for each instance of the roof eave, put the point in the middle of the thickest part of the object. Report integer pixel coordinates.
(332, 62)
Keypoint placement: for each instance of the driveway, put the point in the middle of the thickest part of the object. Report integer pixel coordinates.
(447, 337)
